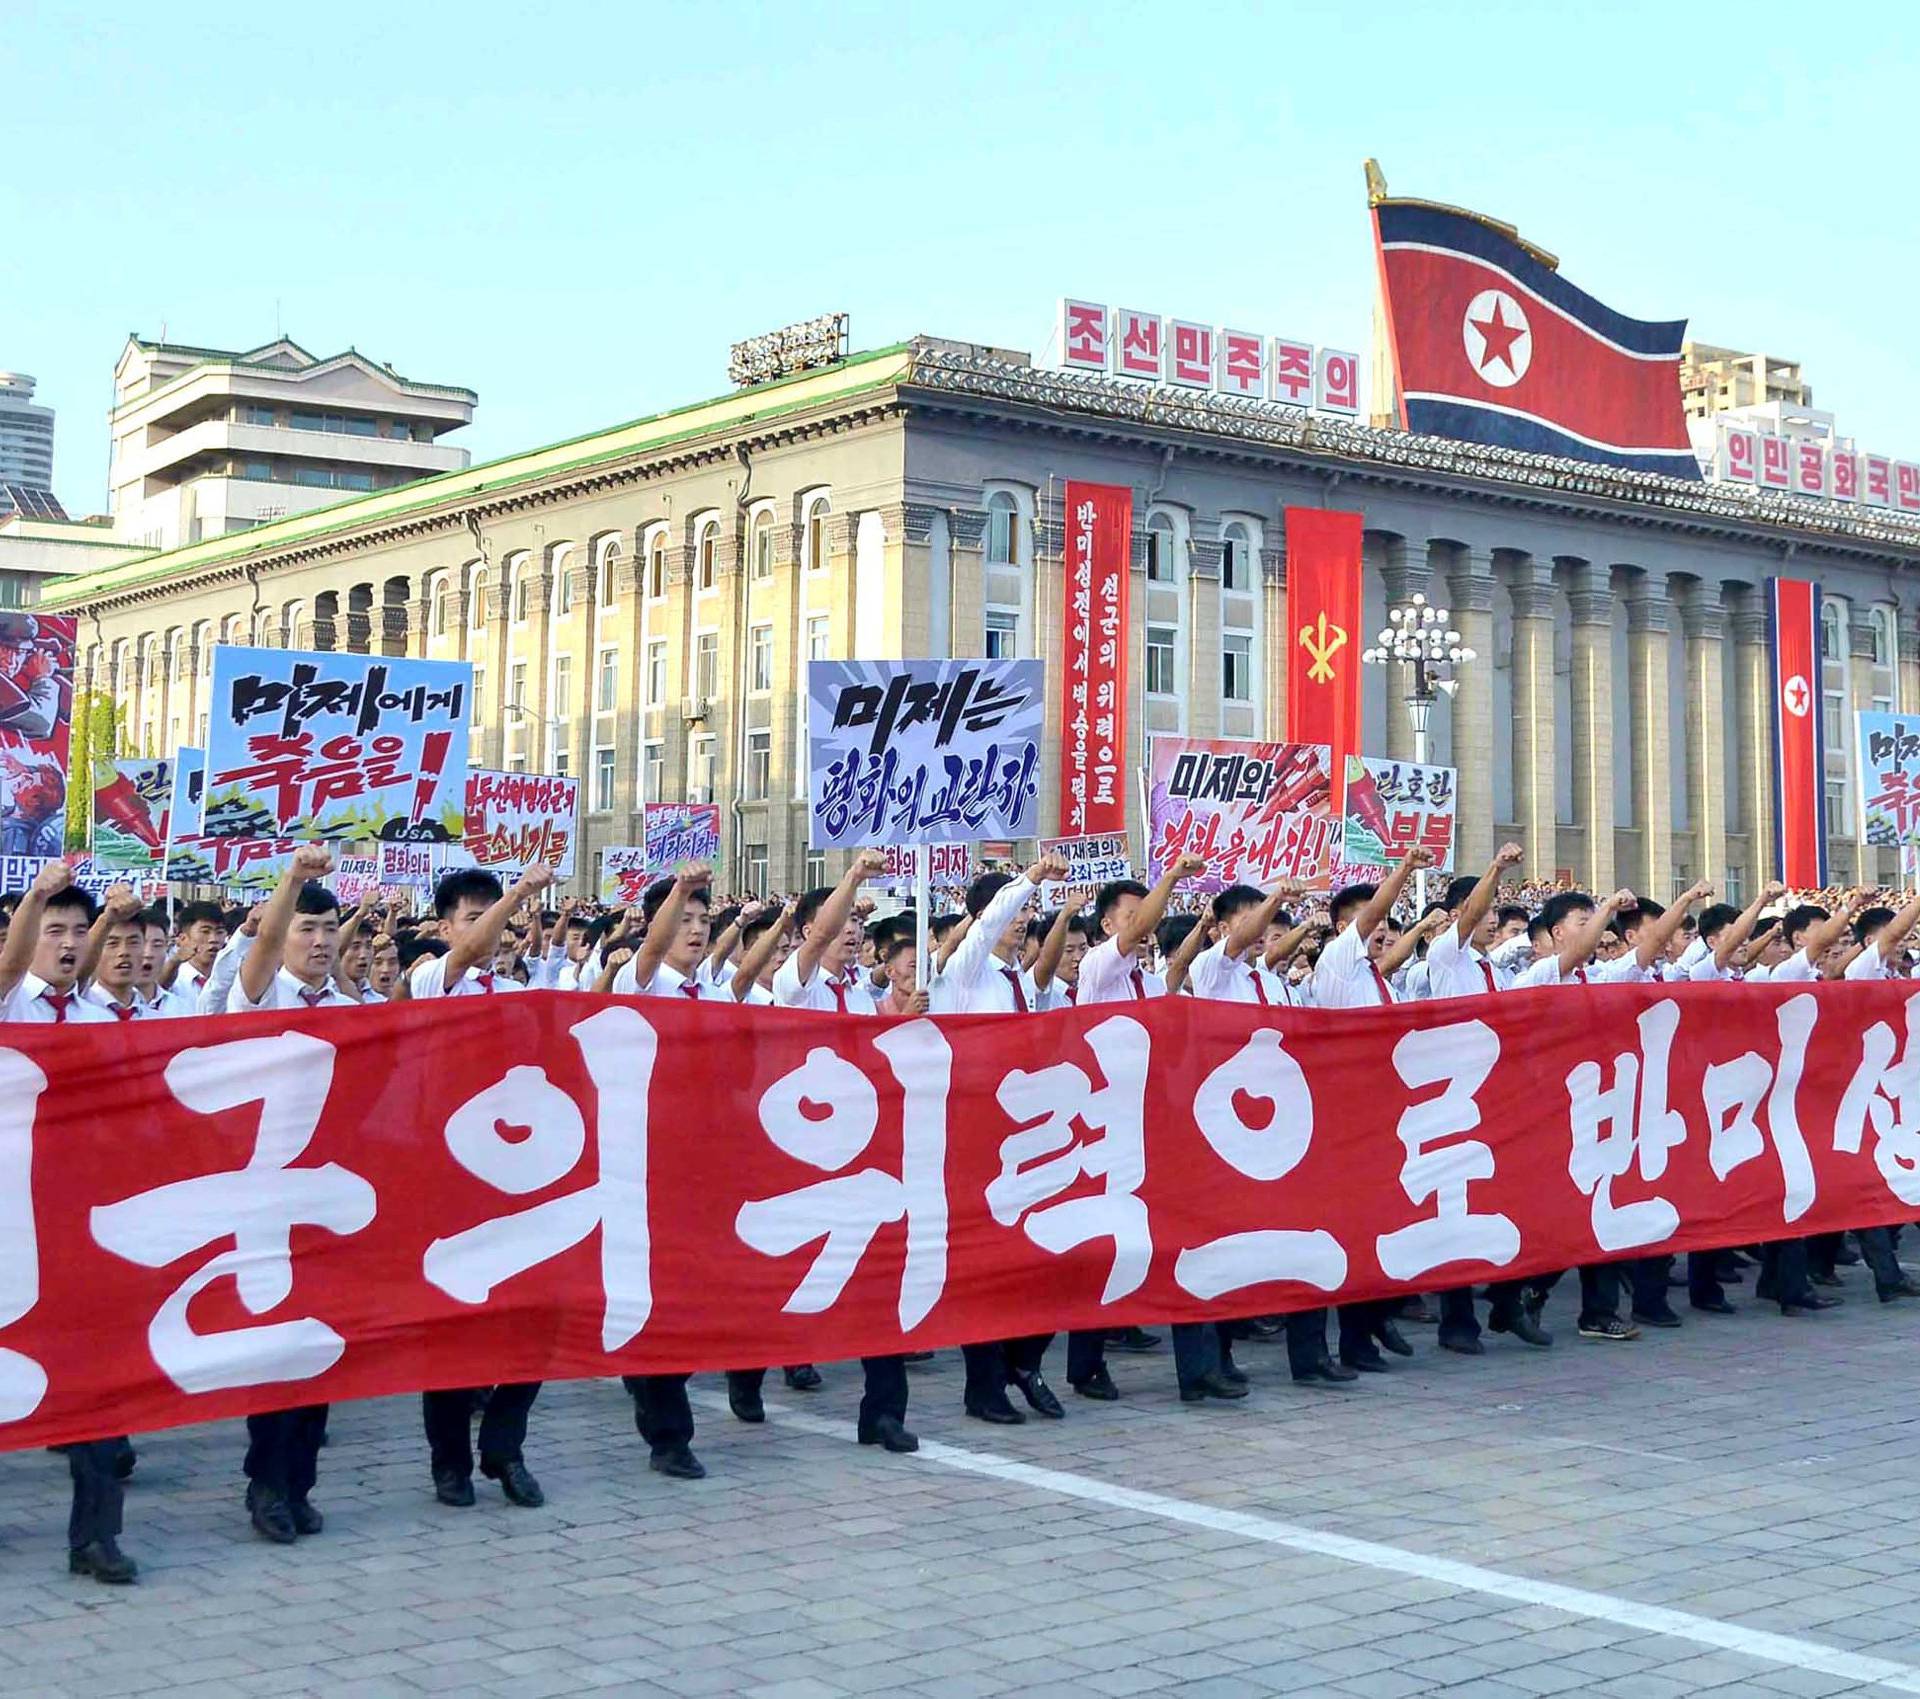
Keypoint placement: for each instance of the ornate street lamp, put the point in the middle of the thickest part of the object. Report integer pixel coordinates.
(1417, 634)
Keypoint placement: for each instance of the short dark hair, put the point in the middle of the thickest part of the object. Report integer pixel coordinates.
(414, 949)
(941, 924)
(1715, 918)
(1562, 904)
(1236, 899)
(1796, 920)
(1172, 932)
(809, 905)
(898, 942)
(1537, 927)
(751, 933)
(984, 888)
(889, 927)
(315, 898)
(1110, 894)
(1458, 890)
(1347, 899)
(191, 914)
(461, 884)
(1869, 921)
(1084, 925)
(1507, 912)
(74, 897)
(658, 892)
(156, 916)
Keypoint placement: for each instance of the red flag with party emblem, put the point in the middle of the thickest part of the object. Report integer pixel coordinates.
(1323, 633)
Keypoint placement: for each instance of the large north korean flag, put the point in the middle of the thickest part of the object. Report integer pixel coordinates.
(1491, 345)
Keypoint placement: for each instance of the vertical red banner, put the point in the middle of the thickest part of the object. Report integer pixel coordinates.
(1093, 672)
(1799, 788)
(1323, 634)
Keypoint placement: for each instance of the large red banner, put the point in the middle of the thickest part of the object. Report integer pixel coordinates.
(1799, 741)
(1324, 634)
(201, 1218)
(1093, 704)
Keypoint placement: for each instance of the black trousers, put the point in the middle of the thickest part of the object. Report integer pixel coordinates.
(1783, 1272)
(283, 1450)
(1599, 1292)
(661, 1411)
(503, 1426)
(1307, 1341)
(1459, 1325)
(1876, 1247)
(1086, 1355)
(990, 1365)
(1703, 1278)
(98, 1493)
(1359, 1325)
(1648, 1277)
(886, 1391)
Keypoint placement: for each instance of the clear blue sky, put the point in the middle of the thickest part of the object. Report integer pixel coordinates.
(574, 209)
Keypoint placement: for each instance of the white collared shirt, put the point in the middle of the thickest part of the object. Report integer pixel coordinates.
(137, 1007)
(668, 982)
(1221, 978)
(34, 1000)
(1798, 968)
(285, 992)
(429, 979)
(1457, 969)
(1106, 976)
(1346, 977)
(790, 991)
(1869, 964)
(975, 980)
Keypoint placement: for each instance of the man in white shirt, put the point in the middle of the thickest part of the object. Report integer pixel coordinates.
(200, 933)
(822, 974)
(1125, 913)
(1569, 926)
(1231, 969)
(118, 943)
(1356, 967)
(473, 913)
(1814, 942)
(1724, 931)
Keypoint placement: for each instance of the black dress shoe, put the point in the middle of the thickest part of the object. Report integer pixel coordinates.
(1210, 1385)
(1098, 1386)
(123, 1459)
(1906, 1289)
(1467, 1347)
(1371, 1364)
(1656, 1318)
(910, 1358)
(892, 1434)
(1039, 1396)
(451, 1487)
(1809, 1304)
(1846, 1256)
(1393, 1339)
(679, 1463)
(104, 1561)
(995, 1410)
(1714, 1307)
(1415, 1309)
(517, 1483)
(1826, 1280)
(802, 1377)
(1133, 1339)
(746, 1404)
(272, 1516)
(1327, 1374)
(1524, 1325)
(306, 1519)
(1230, 1370)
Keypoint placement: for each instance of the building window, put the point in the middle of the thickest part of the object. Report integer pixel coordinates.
(653, 771)
(562, 588)
(656, 673)
(517, 577)
(759, 765)
(606, 691)
(477, 600)
(603, 578)
(1236, 669)
(762, 546)
(602, 780)
(757, 869)
(254, 414)
(1160, 651)
(1236, 558)
(706, 556)
(1833, 722)
(1885, 649)
(703, 767)
(1160, 549)
(815, 533)
(760, 658)
(562, 687)
(1003, 636)
(479, 691)
(657, 569)
(201, 726)
(1003, 515)
(439, 621)
(816, 869)
(1833, 632)
(706, 664)
(517, 687)
(817, 626)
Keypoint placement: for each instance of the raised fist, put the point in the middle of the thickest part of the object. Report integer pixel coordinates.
(312, 861)
(1511, 855)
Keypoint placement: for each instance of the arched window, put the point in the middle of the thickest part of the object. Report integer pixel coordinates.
(290, 617)
(560, 575)
(437, 608)
(813, 525)
(1003, 518)
(604, 561)
(1833, 632)
(203, 647)
(1160, 549)
(760, 546)
(1884, 641)
(476, 596)
(1236, 557)
(657, 566)
(517, 587)
(706, 555)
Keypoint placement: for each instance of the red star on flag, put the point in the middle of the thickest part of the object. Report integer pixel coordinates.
(1499, 336)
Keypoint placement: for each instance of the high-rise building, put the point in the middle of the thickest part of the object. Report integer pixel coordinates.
(207, 441)
(26, 438)
(1719, 380)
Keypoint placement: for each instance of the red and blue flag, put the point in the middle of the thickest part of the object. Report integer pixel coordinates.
(1491, 344)
(1799, 787)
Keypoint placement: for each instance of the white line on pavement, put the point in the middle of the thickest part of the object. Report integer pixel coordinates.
(1784, 1649)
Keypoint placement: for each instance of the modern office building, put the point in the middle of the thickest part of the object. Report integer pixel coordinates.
(26, 438)
(207, 441)
(639, 603)
(1721, 380)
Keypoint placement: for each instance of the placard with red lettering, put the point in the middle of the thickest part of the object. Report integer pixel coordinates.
(1738, 455)
(1256, 811)
(131, 799)
(329, 745)
(1093, 671)
(1336, 381)
(1290, 372)
(1242, 355)
(1083, 336)
(333, 1205)
(1876, 480)
(948, 865)
(1889, 746)
(1189, 354)
(681, 832)
(354, 877)
(1091, 862)
(251, 866)
(515, 820)
(1134, 341)
(623, 875)
(1392, 806)
(1776, 463)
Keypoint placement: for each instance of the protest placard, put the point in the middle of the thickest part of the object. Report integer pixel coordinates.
(331, 745)
(623, 874)
(1256, 811)
(1393, 805)
(36, 721)
(918, 752)
(681, 832)
(131, 801)
(517, 819)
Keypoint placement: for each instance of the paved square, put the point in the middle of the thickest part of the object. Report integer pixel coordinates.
(1727, 1508)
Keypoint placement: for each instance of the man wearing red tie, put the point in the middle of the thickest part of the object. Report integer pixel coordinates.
(117, 945)
(473, 913)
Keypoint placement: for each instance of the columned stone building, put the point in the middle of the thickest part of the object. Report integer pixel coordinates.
(638, 604)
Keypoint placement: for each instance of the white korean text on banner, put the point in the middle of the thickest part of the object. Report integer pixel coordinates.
(187, 809)
(1889, 778)
(1394, 805)
(920, 752)
(1256, 812)
(412, 865)
(36, 722)
(131, 800)
(681, 832)
(515, 820)
(1093, 707)
(623, 874)
(1091, 861)
(326, 745)
(947, 864)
